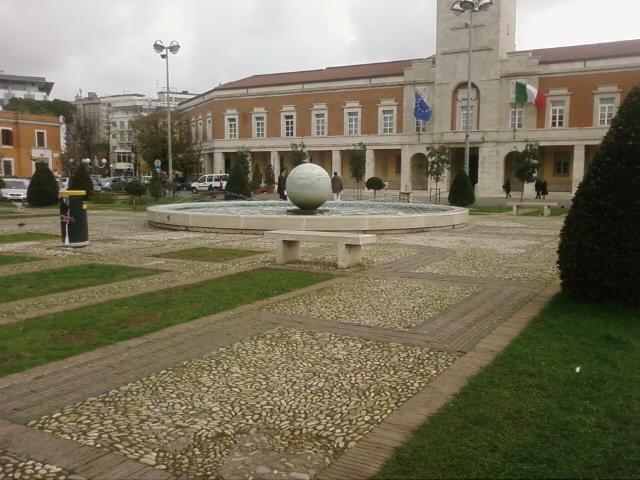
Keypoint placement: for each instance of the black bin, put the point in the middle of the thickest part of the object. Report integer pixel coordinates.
(73, 219)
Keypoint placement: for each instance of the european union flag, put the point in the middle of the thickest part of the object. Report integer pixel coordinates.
(422, 111)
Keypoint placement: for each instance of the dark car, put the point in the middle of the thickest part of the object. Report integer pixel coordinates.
(183, 185)
(114, 184)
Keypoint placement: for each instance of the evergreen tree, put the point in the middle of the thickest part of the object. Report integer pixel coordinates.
(256, 177)
(81, 180)
(238, 181)
(461, 191)
(375, 184)
(438, 163)
(270, 176)
(43, 188)
(298, 155)
(599, 255)
(155, 186)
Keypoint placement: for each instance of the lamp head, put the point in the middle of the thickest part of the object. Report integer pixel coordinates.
(158, 46)
(457, 8)
(484, 5)
(174, 47)
(467, 5)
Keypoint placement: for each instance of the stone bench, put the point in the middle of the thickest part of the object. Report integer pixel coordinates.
(545, 206)
(349, 244)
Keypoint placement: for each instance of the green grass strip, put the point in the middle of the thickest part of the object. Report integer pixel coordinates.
(44, 282)
(204, 254)
(6, 259)
(538, 212)
(531, 415)
(26, 237)
(33, 342)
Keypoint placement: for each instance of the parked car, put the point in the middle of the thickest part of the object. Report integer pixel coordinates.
(210, 182)
(97, 185)
(14, 189)
(183, 185)
(113, 184)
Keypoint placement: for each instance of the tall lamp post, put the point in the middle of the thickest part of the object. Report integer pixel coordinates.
(459, 7)
(159, 48)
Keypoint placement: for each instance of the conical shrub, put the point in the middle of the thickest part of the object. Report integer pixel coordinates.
(599, 253)
(461, 191)
(81, 180)
(43, 188)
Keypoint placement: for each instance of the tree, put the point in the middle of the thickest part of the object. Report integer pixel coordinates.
(461, 191)
(598, 256)
(155, 185)
(526, 165)
(135, 188)
(270, 176)
(375, 184)
(357, 160)
(256, 177)
(238, 181)
(43, 188)
(437, 163)
(298, 155)
(42, 107)
(81, 180)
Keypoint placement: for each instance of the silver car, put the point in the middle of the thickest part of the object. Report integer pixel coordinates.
(14, 189)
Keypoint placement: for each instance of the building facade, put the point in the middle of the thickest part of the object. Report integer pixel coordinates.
(334, 109)
(26, 138)
(21, 86)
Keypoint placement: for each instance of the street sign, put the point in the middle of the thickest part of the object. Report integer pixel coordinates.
(157, 163)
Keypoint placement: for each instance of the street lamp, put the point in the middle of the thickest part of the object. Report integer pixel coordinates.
(160, 48)
(459, 7)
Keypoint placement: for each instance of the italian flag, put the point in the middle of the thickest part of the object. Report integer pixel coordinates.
(526, 93)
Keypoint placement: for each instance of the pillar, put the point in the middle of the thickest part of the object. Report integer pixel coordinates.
(336, 162)
(369, 164)
(218, 162)
(405, 170)
(275, 164)
(490, 171)
(577, 172)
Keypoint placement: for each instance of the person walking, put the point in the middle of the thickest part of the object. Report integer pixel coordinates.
(282, 184)
(544, 189)
(538, 187)
(336, 186)
(507, 188)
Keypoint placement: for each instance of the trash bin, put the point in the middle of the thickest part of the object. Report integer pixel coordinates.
(73, 218)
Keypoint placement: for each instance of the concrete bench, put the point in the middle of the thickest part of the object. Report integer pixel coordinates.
(544, 205)
(349, 244)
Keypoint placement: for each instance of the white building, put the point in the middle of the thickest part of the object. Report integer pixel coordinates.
(20, 86)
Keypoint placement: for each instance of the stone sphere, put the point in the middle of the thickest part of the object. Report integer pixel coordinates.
(308, 186)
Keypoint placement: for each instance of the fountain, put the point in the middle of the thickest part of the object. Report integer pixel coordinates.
(308, 188)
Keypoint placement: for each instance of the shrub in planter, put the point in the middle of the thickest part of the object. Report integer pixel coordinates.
(81, 180)
(238, 181)
(136, 189)
(375, 184)
(599, 256)
(461, 191)
(256, 178)
(43, 188)
(270, 178)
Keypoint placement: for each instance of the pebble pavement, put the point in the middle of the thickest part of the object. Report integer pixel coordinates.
(14, 467)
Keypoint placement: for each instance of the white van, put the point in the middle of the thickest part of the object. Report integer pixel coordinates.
(210, 183)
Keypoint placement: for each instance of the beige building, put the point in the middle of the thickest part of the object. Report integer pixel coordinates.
(331, 110)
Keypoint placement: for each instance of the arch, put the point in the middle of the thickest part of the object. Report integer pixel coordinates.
(419, 180)
(454, 105)
(508, 171)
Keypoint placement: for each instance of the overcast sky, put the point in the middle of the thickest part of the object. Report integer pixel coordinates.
(106, 47)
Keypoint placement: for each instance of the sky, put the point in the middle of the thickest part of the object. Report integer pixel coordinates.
(106, 47)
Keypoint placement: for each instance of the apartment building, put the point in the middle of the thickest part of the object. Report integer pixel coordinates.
(333, 109)
(21, 86)
(25, 139)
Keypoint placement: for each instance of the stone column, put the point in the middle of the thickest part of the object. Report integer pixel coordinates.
(490, 171)
(275, 164)
(369, 164)
(577, 172)
(336, 162)
(218, 162)
(405, 171)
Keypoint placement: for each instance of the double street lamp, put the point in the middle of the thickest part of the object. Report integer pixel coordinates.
(459, 7)
(163, 50)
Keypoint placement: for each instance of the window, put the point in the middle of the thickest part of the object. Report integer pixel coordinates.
(289, 125)
(516, 118)
(320, 119)
(421, 126)
(200, 125)
(561, 164)
(387, 121)
(121, 124)
(606, 111)
(193, 131)
(6, 137)
(353, 123)
(209, 128)
(259, 126)
(129, 136)
(123, 157)
(461, 108)
(7, 167)
(557, 114)
(232, 128)
(122, 136)
(463, 117)
(41, 139)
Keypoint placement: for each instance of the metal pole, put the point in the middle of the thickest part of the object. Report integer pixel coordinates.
(468, 122)
(166, 52)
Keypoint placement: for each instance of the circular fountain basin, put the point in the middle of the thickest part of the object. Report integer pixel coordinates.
(258, 217)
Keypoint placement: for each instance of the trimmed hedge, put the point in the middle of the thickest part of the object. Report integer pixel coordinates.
(599, 254)
(461, 191)
(43, 188)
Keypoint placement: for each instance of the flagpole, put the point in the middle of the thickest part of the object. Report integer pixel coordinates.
(468, 122)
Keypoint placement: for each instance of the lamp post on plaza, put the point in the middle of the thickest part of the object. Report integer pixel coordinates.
(160, 48)
(459, 7)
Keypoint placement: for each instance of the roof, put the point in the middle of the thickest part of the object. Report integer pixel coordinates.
(329, 74)
(624, 48)
(26, 79)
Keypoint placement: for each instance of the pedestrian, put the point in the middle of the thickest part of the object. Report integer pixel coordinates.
(336, 186)
(282, 184)
(544, 189)
(538, 187)
(507, 188)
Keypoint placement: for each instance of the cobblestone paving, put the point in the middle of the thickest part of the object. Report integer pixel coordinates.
(297, 393)
(16, 467)
(394, 304)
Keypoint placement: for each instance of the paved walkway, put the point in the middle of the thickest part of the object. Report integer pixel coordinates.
(323, 382)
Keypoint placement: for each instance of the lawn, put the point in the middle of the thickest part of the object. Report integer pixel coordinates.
(6, 259)
(44, 282)
(25, 237)
(562, 401)
(33, 342)
(203, 254)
